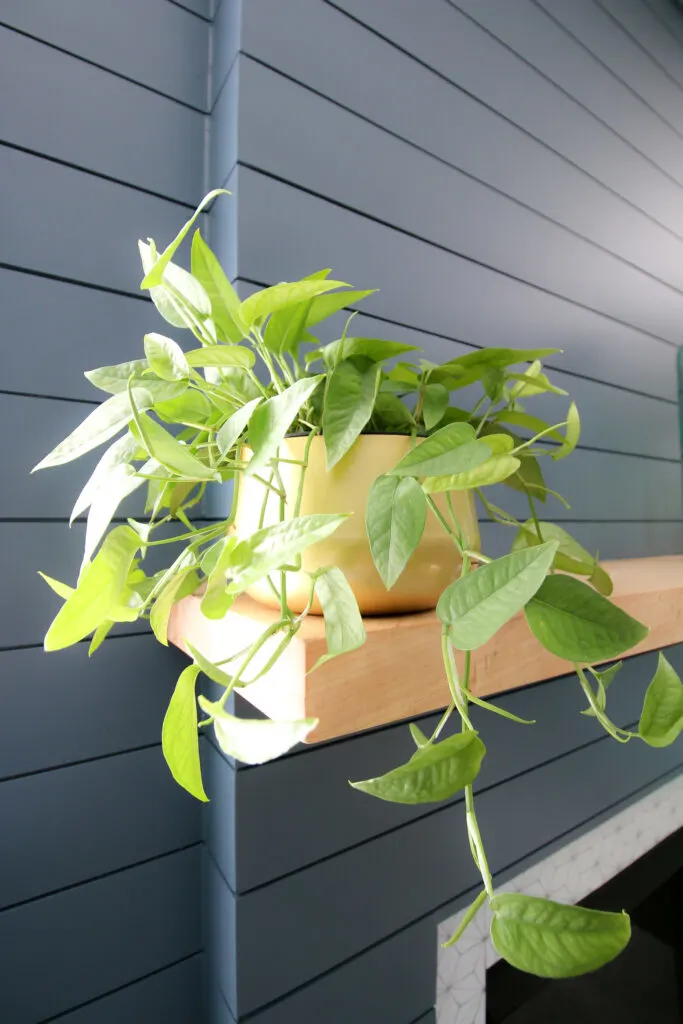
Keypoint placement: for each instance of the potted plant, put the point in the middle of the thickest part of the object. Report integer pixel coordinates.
(352, 481)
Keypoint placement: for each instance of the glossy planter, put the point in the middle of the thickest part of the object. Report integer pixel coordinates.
(345, 488)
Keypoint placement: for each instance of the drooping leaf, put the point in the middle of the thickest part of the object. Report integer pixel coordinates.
(477, 605)
(661, 720)
(269, 300)
(167, 597)
(572, 433)
(101, 425)
(225, 302)
(571, 556)
(170, 453)
(349, 401)
(234, 425)
(375, 349)
(255, 741)
(394, 520)
(211, 671)
(165, 357)
(271, 421)
(435, 772)
(120, 453)
(532, 423)
(98, 590)
(154, 275)
(277, 545)
(494, 471)
(63, 590)
(221, 355)
(603, 680)
(553, 940)
(434, 404)
(532, 382)
(573, 621)
(114, 379)
(419, 738)
(452, 449)
(325, 305)
(180, 298)
(395, 413)
(99, 636)
(179, 737)
(528, 478)
(344, 630)
(465, 370)
(121, 482)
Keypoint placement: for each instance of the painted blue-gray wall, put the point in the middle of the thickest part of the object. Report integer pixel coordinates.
(506, 172)
(103, 114)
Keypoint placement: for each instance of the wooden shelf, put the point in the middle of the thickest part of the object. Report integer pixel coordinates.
(398, 673)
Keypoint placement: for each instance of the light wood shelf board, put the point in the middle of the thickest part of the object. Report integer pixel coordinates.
(398, 673)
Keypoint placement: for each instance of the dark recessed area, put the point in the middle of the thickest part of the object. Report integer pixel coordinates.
(643, 986)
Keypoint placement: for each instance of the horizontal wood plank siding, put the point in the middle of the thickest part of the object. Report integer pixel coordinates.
(503, 177)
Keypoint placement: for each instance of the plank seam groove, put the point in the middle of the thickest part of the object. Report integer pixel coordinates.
(226, 78)
(74, 281)
(79, 761)
(460, 170)
(39, 644)
(102, 67)
(487, 106)
(575, 39)
(479, 348)
(50, 398)
(121, 988)
(458, 896)
(98, 878)
(451, 252)
(564, 92)
(643, 49)
(422, 817)
(195, 14)
(96, 174)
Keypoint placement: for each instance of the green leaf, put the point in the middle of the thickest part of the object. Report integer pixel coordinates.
(601, 580)
(98, 590)
(528, 477)
(121, 482)
(434, 404)
(63, 590)
(494, 471)
(255, 741)
(394, 413)
(574, 622)
(234, 425)
(276, 546)
(344, 630)
(533, 382)
(375, 349)
(532, 423)
(273, 418)
(553, 940)
(477, 605)
(120, 453)
(571, 556)
(167, 597)
(211, 671)
(101, 425)
(221, 355)
(394, 520)
(452, 449)
(349, 401)
(435, 772)
(270, 300)
(179, 736)
(325, 305)
(465, 370)
(166, 358)
(114, 379)
(175, 456)
(603, 680)
(419, 738)
(99, 636)
(572, 433)
(154, 275)
(180, 298)
(286, 328)
(191, 407)
(225, 302)
(661, 720)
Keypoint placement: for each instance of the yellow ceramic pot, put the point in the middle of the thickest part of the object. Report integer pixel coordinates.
(345, 488)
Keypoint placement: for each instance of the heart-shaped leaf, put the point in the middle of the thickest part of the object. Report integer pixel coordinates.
(344, 630)
(349, 401)
(452, 449)
(273, 418)
(661, 720)
(493, 471)
(179, 737)
(395, 521)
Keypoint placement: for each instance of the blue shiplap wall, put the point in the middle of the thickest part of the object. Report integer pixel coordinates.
(102, 135)
(505, 172)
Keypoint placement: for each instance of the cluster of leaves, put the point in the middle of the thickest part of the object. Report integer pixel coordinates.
(180, 418)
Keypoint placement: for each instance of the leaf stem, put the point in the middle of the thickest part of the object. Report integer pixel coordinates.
(470, 914)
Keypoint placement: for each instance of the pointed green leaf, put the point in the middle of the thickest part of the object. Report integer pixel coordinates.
(434, 404)
(270, 300)
(180, 298)
(234, 425)
(100, 635)
(325, 305)
(221, 355)
(571, 556)
(98, 590)
(63, 590)
(344, 630)
(662, 718)
(225, 302)
(255, 741)
(532, 423)
(286, 328)
(120, 453)
(167, 597)
(601, 580)
(101, 425)
(349, 401)
(396, 415)
(170, 453)
(121, 482)
(603, 680)
(211, 671)
(465, 370)
(114, 379)
(165, 357)
(394, 520)
(179, 736)
(276, 546)
(477, 605)
(375, 349)
(419, 738)
(528, 477)
(494, 471)
(553, 940)
(533, 382)
(574, 622)
(452, 449)
(435, 772)
(271, 421)
(572, 433)
(154, 275)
